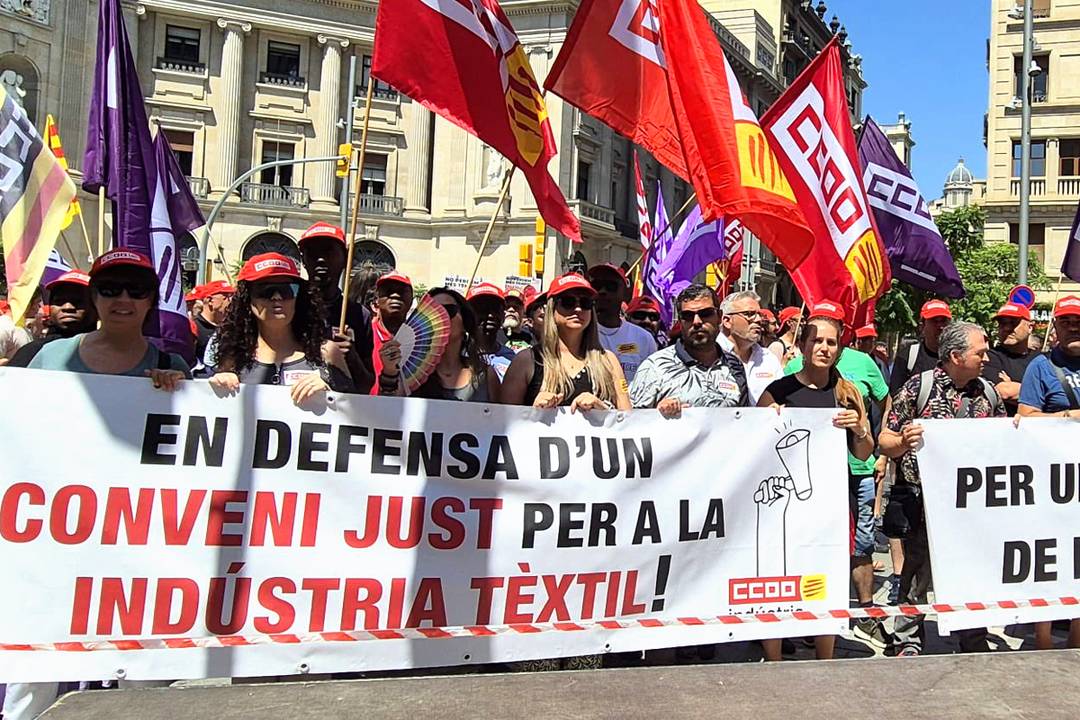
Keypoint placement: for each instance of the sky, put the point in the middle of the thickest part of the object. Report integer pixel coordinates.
(929, 61)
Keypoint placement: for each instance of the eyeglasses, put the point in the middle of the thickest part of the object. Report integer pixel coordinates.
(609, 286)
(645, 316)
(573, 302)
(135, 291)
(266, 291)
(706, 315)
(750, 315)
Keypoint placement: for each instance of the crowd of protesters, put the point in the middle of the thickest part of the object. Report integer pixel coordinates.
(588, 344)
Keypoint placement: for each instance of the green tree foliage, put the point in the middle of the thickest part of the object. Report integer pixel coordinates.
(988, 270)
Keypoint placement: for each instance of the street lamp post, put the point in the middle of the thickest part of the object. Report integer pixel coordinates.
(1025, 142)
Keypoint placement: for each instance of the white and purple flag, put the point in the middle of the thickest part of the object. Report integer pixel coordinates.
(917, 253)
(1070, 264)
(697, 245)
(55, 266)
(120, 156)
(654, 285)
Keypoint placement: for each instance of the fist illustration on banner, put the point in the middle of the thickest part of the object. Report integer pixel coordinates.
(772, 498)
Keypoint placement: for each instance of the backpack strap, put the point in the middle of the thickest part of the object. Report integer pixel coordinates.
(912, 356)
(1070, 391)
(926, 384)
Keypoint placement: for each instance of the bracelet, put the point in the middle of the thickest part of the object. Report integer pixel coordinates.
(395, 376)
(866, 431)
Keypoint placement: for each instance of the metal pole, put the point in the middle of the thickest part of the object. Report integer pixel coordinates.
(205, 239)
(1025, 143)
(344, 198)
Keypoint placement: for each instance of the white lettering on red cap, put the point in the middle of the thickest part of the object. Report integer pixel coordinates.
(273, 263)
(122, 255)
(1070, 302)
(827, 306)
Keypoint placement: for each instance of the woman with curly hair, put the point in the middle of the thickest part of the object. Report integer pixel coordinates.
(273, 334)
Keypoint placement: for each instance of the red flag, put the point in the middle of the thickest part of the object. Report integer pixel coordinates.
(810, 127)
(463, 60)
(655, 72)
(645, 228)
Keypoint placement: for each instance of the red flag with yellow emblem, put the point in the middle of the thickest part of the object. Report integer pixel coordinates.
(463, 60)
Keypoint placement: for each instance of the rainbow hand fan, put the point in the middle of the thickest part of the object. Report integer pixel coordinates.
(423, 339)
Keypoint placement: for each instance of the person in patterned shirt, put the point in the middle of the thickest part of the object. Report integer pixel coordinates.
(953, 389)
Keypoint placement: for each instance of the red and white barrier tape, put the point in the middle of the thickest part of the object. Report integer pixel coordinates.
(472, 631)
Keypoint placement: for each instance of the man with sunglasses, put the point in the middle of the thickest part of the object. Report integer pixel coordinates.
(694, 371)
(645, 313)
(740, 333)
(630, 343)
(487, 301)
(70, 313)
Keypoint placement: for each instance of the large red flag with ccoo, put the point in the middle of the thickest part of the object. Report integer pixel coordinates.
(463, 60)
(655, 72)
(810, 126)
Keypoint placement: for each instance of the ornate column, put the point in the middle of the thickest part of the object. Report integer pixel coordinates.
(419, 139)
(326, 132)
(227, 109)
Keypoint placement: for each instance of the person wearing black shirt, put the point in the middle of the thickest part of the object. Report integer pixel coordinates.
(215, 297)
(921, 356)
(1009, 359)
(71, 313)
(324, 250)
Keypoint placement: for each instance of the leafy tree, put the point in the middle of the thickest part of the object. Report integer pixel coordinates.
(988, 271)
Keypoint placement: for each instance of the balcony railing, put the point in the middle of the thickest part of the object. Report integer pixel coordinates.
(1038, 187)
(184, 66)
(381, 91)
(276, 195)
(379, 205)
(200, 187)
(589, 211)
(292, 81)
(1069, 186)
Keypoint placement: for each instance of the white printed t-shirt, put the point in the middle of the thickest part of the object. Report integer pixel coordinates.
(631, 345)
(762, 369)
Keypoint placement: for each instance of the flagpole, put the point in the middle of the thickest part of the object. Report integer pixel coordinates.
(1057, 296)
(71, 252)
(86, 237)
(671, 221)
(101, 221)
(356, 197)
(491, 224)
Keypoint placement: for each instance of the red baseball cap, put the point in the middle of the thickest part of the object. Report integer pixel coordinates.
(216, 287)
(394, 276)
(788, 313)
(536, 298)
(1068, 305)
(935, 309)
(828, 309)
(643, 303)
(1012, 310)
(608, 267)
(568, 282)
(73, 277)
(195, 294)
(264, 266)
(485, 290)
(518, 293)
(323, 229)
(866, 331)
(121, 257)
(767, 314)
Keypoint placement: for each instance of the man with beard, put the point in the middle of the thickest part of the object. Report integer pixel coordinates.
(645, 313)
(70, 313)
(393, 300)
(489, 305)
(1009, 359)
(517, 334)
(740, 333)
(693, 371)
(630, 343)
(324, 251)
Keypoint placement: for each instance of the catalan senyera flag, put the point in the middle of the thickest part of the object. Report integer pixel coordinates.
(655, 72)
(35, 193)
(810, 127)
(53, 138)
(462, 59)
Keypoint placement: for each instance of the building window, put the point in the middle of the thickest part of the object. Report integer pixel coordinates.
(584, 170)
(183, 147)
(1040, 8)
(381, 89)
(182, 44)
(1036, 233)
(282, 61)
(373, 179)
(281, 176)
(1039, 83)
(1038, 159)
(1070, 157)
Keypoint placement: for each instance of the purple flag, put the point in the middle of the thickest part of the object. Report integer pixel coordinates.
(55, 266)
(184, 211)
(655, 285)
(1070, 264)
(697, 245)
(917, 254)
(120, 157)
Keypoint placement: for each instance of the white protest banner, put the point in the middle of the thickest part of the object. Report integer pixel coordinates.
(1003, 517)
(186, 535)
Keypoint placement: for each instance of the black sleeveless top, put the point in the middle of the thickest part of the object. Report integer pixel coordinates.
(582, 381)
(289, 373)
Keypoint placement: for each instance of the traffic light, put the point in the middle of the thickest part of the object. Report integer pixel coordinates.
(344, 159)
(525, 259)
(712, 277)
(541, 242)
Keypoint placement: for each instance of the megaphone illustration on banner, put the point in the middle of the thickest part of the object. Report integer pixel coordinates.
(794, 452)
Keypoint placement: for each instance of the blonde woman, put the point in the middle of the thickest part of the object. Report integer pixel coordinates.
(568, 367)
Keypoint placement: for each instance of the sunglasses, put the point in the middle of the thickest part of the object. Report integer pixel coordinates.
(451, 310)
(134, 290)
(649, 316)
(573, 302)
(609, 286)
(706, 314)
(266, 291)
